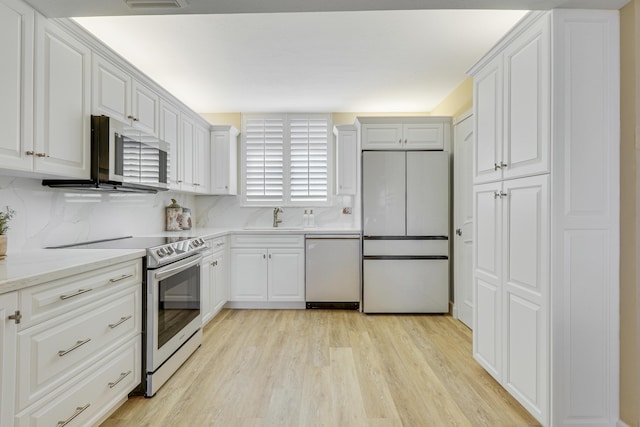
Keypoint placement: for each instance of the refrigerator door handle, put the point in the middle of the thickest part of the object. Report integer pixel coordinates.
(407, 257)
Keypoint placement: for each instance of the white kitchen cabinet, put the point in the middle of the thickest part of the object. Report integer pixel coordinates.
(224, 160)
(513, 109)
(117, 94)
(16, 84)
(214, 284)
(346, 159)
(78, 339)
(267, 269)
(202, 159)
(8, 351)
(249, 274)
(405, 133)
(63, 102)
(170, 133)
(547, 158)
(220, 281)
(206, 309)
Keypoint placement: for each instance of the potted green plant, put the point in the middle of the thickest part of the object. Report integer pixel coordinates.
(5, 217)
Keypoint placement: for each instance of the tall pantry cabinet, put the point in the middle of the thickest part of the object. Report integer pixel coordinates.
(546, 196)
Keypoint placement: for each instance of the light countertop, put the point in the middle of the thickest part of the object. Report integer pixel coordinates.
(24, 269)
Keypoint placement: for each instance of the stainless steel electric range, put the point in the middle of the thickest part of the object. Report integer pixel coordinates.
(172, 321)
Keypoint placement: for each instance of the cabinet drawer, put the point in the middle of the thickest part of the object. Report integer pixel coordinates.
(114, 377)
(43, 302)
(267, 241)
(216, 245)
(51, 353)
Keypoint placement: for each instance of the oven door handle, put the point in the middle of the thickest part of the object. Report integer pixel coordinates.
(163, 274)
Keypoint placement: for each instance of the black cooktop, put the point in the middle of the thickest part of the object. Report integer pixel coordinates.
(127, 242)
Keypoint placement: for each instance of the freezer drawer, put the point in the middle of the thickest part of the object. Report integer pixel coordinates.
(405, 285)
(332, 270)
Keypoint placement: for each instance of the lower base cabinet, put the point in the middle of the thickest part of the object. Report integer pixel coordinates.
(270, 272)
(214, 284)
(8, 333)
(75, 354)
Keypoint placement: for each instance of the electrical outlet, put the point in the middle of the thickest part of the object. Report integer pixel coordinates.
(346, 211)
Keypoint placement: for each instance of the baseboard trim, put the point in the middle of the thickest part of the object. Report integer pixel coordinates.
(621, 423)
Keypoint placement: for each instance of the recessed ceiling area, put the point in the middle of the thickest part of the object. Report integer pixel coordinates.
(365, 61)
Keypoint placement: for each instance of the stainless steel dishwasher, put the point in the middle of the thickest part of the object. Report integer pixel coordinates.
(332, 274)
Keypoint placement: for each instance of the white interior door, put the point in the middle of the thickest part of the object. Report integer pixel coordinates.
(463, 221)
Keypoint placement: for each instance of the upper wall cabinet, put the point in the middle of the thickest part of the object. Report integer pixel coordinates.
(63, 96)
(512, 109)
(346, 159)
(170, 133)
(405, 133)
(224, 160)
(16, 84)
(117, 94)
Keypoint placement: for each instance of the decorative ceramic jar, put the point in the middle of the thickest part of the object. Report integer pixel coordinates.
(185, 220)
(174, 216)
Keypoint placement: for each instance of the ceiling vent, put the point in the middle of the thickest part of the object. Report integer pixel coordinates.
(156, 4)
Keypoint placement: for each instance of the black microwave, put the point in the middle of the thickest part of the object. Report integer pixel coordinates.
(123, 158)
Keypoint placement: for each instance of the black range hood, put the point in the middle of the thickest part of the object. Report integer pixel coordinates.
(106, 186)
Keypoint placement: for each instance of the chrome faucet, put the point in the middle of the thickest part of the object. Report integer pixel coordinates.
(276, 221)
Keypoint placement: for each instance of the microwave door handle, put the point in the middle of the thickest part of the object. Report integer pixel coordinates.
(161, 275)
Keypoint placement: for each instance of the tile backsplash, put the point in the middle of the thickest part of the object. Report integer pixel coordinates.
(48, 217)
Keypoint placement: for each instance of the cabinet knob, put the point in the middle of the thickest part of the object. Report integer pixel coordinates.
(496, 166)
(503, 165)
(130, 117)
(30, 153)
(459, 231)
(264, 256)
(400, 141)
(405, 140)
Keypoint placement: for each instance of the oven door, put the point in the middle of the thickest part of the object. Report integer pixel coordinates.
(173, 308)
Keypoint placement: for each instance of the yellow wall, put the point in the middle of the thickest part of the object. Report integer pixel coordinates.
(459, 101)
(233, 119)
(629, 333)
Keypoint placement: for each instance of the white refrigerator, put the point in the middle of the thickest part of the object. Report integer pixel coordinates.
(405, 218)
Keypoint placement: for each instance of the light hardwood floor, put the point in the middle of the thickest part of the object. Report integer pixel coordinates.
(328, 368)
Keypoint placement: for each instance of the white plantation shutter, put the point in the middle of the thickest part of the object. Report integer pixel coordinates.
(286, 158)
(264, 164)
(309, 152)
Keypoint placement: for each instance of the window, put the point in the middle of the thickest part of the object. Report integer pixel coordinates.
(286, 158)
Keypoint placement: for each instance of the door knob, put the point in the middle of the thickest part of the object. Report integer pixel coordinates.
(459, 231)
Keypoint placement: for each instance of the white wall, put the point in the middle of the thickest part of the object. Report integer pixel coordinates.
(46, 217)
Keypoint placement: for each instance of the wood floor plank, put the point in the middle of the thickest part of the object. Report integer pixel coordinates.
(328, 368)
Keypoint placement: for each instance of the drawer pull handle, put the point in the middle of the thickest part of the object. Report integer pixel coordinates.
(219, 244)
(76, 345)
(123, 375)
(119, 322)
(124, 276)
(79, 410)
(75, 294)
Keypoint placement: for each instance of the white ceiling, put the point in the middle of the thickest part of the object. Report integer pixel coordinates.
(340, 58)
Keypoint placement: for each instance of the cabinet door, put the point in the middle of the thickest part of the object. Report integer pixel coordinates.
(527, 107)
(63, 96)
(286, 274)
(220, 162)
(187, 127)
(423, 136)
(16, 84)
(206, 291)
(8, 350)
(487, 288)
(111, 90)
(248, 275)
(201, 162)
(220, 282)
(170, 133)
(381, 136)
(145, 107)
(346, 161)
(383, 193)
(427, 193)
(487, 113)
(525, 273)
